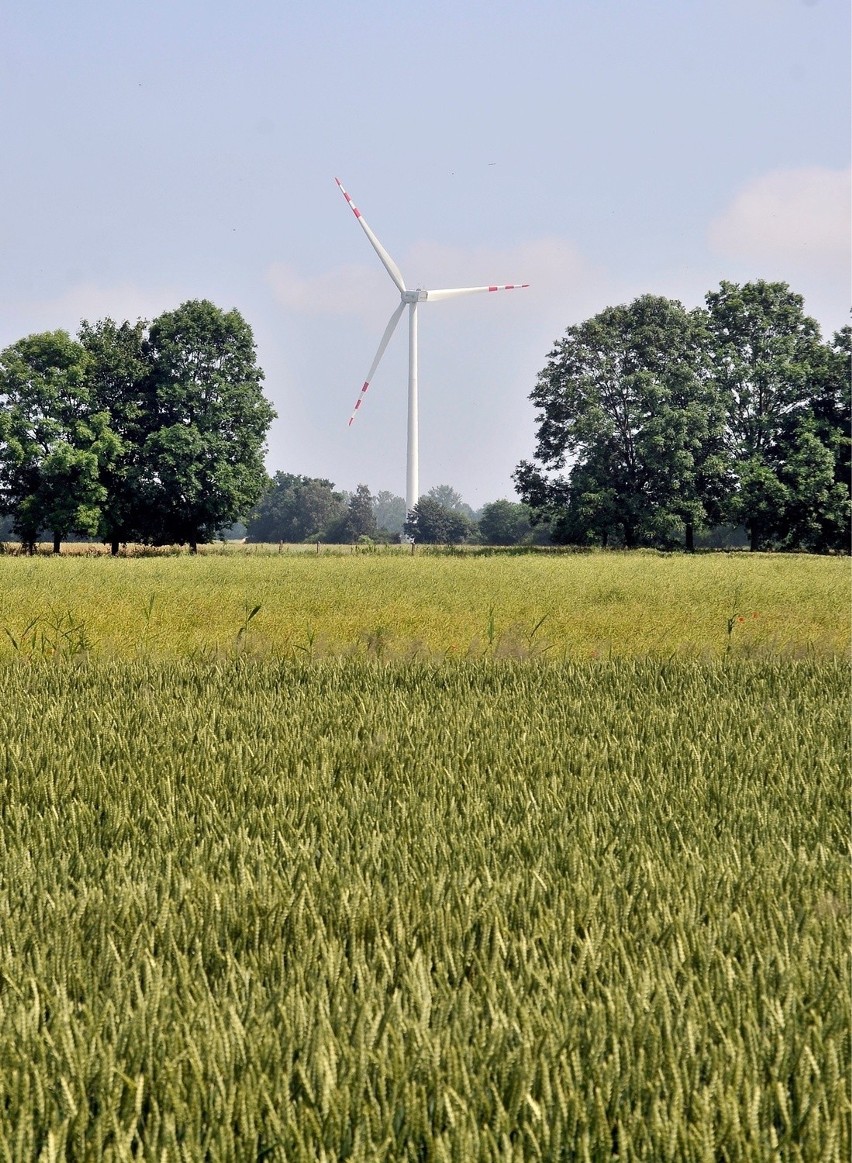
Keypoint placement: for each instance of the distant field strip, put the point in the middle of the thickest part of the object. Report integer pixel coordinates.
(259, 909)
(395, 605)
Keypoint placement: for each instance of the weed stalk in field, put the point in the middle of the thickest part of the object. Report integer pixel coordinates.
(490, 630)
(242, 634)
(310, 637)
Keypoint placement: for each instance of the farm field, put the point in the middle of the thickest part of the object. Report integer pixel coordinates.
(393, 605)
(271, 894)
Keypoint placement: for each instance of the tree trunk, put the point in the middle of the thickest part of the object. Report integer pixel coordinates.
(755, 538)
(690, 537)
(193, 547)
(56, 542)
(113, 548)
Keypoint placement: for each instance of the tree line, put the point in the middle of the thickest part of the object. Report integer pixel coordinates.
(300, 508)
(655, 423)
(656, 426)
(153, 433)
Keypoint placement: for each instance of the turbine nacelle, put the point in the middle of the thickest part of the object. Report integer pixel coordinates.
(418, 296)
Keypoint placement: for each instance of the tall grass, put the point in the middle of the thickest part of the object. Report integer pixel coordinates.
(578, 606)
(344, 910)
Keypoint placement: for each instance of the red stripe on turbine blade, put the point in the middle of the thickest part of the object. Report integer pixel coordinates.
(493, 288)
(359, 401)
(355, 209)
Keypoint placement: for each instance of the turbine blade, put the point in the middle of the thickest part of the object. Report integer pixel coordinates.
(389, 265)
(389, 330)
(454, 292)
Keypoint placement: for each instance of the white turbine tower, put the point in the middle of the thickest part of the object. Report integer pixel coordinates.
(412, 298)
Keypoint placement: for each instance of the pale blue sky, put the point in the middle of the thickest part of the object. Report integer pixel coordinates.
(596, 149)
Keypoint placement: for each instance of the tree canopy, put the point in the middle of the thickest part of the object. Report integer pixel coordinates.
(295, 508)
(152, 434)
(656, 426)
(431, 523)
(504, 523)
(53, 443)
(449, 498)
(390, 511)
(627, 397)
(655, 422)
(358, 520)
(202, 457)
(784, 415)
(117, 372)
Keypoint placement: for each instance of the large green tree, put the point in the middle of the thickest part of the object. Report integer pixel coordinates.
(155, 435)
(430, 523)
(361, 515)
(451, 499)
(786, 406)
(295, 508)
(505, 523)
(390, 511)
(626, 404)
(117, 375)
(201, 461)
(831, 404)
(814, 506)
(817, 467)
(55, 443)
(358, 520)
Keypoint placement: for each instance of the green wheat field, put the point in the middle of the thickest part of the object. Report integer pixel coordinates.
(379, 857)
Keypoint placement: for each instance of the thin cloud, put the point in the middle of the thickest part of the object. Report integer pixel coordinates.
(85, 301)
(554, 268)
(796, 220)
(350, 289)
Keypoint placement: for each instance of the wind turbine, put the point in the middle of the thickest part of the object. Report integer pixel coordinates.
(412, 299)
